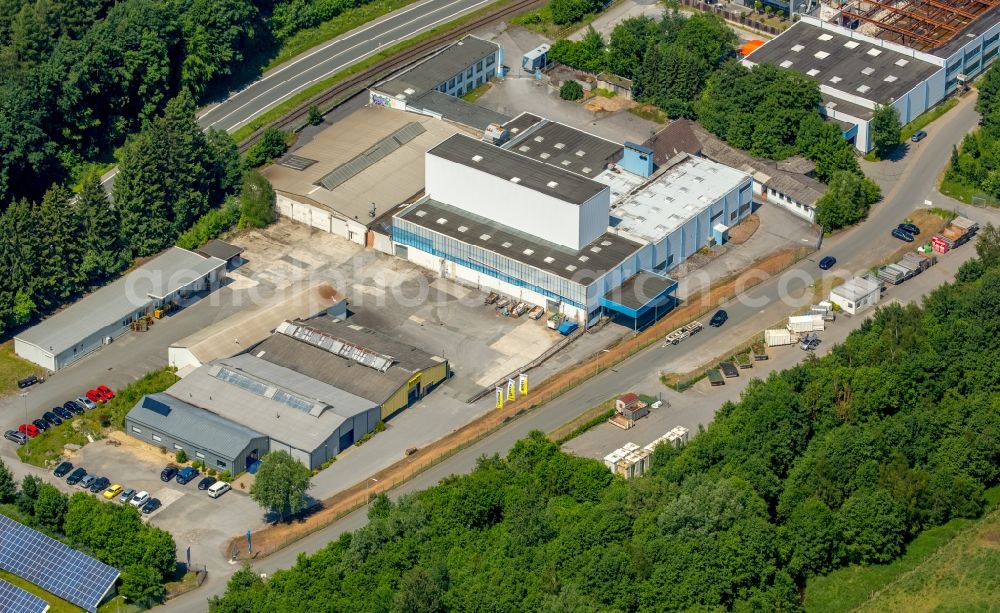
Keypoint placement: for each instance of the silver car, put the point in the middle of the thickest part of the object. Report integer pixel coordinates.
(87, 402)
(87, 481)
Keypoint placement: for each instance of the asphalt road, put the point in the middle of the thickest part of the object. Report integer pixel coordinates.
(300, 72)
(910, 182)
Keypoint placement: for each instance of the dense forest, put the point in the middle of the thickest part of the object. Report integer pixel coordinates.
(78, 76)
(684, 66)
(839, 460)
(976, 164)
(114, 534)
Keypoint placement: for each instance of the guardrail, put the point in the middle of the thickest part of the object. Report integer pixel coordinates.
(297, 118)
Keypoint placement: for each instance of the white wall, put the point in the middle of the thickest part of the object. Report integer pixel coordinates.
(34, 353)
(180, 357)
(517, 206)
(320, 218)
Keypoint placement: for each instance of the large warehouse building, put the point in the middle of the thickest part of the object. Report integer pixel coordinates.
(97, 319)
(902, 56)
(564, 219)
(312, 389)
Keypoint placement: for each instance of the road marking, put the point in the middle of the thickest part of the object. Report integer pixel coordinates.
(342, 66)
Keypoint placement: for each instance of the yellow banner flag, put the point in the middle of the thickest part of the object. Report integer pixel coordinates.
(499, 397)
(522, 381)
(511, 390)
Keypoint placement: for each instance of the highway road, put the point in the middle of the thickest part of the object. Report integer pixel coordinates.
(323, 61)
(856, 249)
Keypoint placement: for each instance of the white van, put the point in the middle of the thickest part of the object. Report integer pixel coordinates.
(218, 488)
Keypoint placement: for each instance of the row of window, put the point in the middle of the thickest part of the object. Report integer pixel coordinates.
(467, 75)
(159, 439)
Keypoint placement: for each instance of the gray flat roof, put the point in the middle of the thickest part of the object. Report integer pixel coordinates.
(850, 65)
(521, 122)
(435, 70)
(347, 374)
(195, 425)
(564, 147)
(458, 110)
(230, 387)
(219, 249)
(157, 278)
(976, 28)
(639, 289)
(583, 266)
(540, 177)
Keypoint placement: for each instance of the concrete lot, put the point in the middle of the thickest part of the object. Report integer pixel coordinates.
(696, 407)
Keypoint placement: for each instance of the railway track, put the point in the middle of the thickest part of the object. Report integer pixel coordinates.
(296, 119)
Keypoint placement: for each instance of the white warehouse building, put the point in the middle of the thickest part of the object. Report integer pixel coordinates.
(566, 220)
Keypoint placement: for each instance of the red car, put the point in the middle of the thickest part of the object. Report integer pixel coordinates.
(105, 391)
(95, 397)
(28, 429)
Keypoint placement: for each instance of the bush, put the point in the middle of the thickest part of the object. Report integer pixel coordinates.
(198, 465)
(181, 456)
(315, 116)
(256, 201)
(571, 90)
(211, 472)
(271, 144)
(225, 476)
(210, 225)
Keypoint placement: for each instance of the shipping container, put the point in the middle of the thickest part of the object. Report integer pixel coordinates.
(806, 323)
(777, 338)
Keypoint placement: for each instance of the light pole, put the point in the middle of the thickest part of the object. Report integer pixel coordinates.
(597, 367)
(25, 396)
(374, 481)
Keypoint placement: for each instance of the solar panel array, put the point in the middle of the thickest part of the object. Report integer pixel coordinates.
(296, 162)
(372, 155)
(54, 566)
(13, 598)
(338, 346)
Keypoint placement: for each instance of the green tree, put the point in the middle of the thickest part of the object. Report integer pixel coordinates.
(873, 526)
(139, 193)
(813, 539)
(419, 593)
(989, 92)
(181, 456)
(50, 508)
(628, 44)
(571, 90)
(885, 129)
(257, 201)
(216, 33)
(60, 273)
(8, 488)
(988, 246)
(315, 116)
(28, 494)
(281, 484)
(846, 201)
(141, 584)
(272, 144)
(226, 165)
(105, 253)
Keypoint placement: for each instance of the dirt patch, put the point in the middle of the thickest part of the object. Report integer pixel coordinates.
(744, 230)
(929, 224)
(990, 539)
(143, 451)
(611, 105)
(274, 537)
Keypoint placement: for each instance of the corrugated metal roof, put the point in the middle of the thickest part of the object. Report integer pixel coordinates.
(193, 424)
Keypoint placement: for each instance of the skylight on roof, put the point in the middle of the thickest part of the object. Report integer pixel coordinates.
(559, 145)
(867, 70)
(835, 79)
(863, 89)
(506, 244)
(821, 55)
(570, 267)
(528, 251)
(874, 52)
(890, 78)
(565, 162)
(549, 259)
(539, 139)
(442, 220)
(595, 249)
(583, 258)
(477, 158)
(786, 64)
(544, 155)
(484, 237)
(825, 36)
(812, 72)
(852, 44)
(463, 229)
(515, 179)
(901, 62)
(420, 213)
(524, 148)
(797, 48)
(581, 153)
(553, 184)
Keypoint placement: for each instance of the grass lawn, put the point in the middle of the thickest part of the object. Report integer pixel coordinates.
(923, 120)
(650, 112)
(13, 368)
(56, 604)
(540, 20)
(285, 107)
(945, 561)
(477, 93)
(957, 190)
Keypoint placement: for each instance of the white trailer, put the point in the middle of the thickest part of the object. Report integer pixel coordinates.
(777, 338)
(806, 323)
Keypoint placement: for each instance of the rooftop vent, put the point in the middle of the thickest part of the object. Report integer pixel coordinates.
(583, 258)
(890, 78)
(587, 170)
(559, 145)
(581, 153)
(835, 79)
(595, 249)
(553, 184)
(544, 155)
(606, 243)
(565, 162)
(539, 139)
(524, 148)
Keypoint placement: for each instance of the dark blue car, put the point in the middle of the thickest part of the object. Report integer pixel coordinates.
(902, 235)
(827, 262)
(186, 474)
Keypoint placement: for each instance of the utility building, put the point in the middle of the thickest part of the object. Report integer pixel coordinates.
(97, 319)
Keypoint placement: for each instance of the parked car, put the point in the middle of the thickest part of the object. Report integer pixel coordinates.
(112, 491)
(827, 262)
(41, 424)
(51, 418)
(219, 488)
(63, 469)
(15, 437)
(76, 476)
(918, 136)
(28, 381)
(151, 505)
(206, 483)
(139, 499)
(126, 496)
(809, 342)
(105, 391)
(86, 402)
(719, 318)
(87, 481)
(63, 412)
(167, 473)
(28, 429)
(909, 228)
(74, 407)
(902, 235)
(185, 475)
(99, 485)
(94, 397)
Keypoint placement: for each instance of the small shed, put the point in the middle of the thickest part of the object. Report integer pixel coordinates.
(536, 58)
(619, 86)
(857, 294)
(230, 254)
(631, 407)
